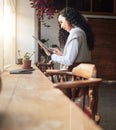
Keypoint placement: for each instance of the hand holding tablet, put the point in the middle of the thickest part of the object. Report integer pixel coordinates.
(42, 45)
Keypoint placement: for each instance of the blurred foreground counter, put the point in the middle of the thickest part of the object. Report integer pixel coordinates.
(29, 102)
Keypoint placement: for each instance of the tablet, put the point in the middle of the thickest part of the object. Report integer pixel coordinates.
(41, 44)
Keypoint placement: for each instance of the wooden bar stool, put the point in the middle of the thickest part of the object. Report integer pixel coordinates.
(44, 66)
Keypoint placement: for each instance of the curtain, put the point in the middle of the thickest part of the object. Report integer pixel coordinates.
(7, 33)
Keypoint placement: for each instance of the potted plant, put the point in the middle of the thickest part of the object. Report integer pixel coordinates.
(27, 60)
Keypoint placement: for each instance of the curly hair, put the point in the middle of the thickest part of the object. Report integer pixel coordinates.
(63, 35)
(74, 17)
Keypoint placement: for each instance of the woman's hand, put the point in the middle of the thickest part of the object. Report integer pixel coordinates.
(46, 51)
(56, 51)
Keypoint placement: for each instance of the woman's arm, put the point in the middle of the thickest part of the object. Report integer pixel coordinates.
(70, 55)
(56, 51)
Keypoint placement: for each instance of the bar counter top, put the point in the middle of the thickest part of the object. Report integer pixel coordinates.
(29, 102)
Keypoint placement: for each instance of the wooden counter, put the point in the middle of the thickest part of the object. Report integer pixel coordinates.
(29, 102)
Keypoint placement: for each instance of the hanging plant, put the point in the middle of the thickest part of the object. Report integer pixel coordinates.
(43, 7)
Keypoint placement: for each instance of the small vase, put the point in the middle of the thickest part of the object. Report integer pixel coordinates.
(26, 64)
(19, 61)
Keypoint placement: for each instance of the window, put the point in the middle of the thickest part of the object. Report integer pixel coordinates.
(107, 7)
(82, 5)
(60, 4)
(103, 6)
(7, 34)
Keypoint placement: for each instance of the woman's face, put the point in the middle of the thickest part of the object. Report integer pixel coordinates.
(64, 23)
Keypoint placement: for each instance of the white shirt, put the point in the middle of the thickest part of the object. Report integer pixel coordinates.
(75, 49)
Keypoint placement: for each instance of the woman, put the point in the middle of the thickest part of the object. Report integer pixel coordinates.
(79, 42)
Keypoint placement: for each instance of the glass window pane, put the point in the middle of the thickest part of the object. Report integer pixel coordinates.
(60, 4)
(82, 5)
(103, 5)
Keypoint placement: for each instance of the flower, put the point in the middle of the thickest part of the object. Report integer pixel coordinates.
(43, 6)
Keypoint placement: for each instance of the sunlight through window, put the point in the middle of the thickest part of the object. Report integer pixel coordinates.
(7, 34)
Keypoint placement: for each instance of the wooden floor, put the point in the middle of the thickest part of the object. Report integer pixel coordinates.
(107, 106)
